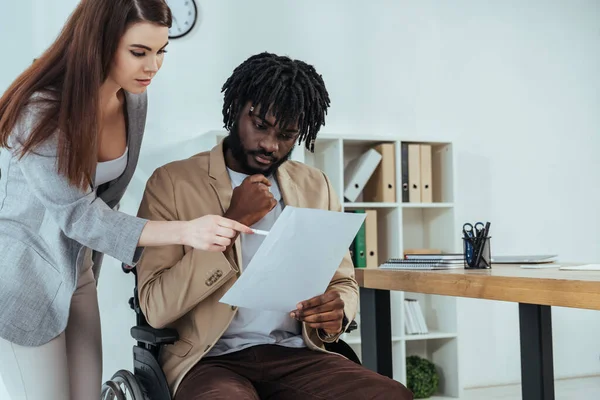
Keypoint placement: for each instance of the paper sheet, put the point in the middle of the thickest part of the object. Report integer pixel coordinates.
(297, 259)
(587, 267)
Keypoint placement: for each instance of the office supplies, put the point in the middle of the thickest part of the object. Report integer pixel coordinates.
(427, 251)
(359, 244)
(431, 264)
(476, 245)
(371, 243)
(404, 170)
(434, 256)
(426, 173)
(381, 187)
(296, 261)
(586, 267)
(472, 231)
(532, 259)
(259, 232)
(414, 173)
(358, 172)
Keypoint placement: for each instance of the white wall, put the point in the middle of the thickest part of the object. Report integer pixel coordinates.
(515, 86)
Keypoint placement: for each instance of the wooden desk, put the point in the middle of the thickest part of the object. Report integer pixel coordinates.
(536, 290)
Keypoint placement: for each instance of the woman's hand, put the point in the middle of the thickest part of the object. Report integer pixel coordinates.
(212, 232)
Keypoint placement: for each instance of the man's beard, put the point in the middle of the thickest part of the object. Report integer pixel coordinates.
(234, 144)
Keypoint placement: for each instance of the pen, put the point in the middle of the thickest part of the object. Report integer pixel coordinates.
(259, 232)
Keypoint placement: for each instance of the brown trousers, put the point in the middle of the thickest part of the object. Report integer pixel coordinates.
(279, 373)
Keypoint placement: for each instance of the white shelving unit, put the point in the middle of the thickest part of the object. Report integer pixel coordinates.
(406, 226)
(400, 226)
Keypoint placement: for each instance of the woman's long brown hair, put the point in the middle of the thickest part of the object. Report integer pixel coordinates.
(71, 71)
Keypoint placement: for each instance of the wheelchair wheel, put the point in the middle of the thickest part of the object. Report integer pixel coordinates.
(122, 386)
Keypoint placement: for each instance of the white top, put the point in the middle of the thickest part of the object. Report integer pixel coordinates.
(253, 327)
(108, 170)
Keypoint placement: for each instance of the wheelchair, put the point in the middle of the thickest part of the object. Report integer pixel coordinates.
(148, 381)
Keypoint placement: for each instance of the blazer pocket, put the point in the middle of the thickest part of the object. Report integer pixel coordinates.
(180, 348)
(28, 283)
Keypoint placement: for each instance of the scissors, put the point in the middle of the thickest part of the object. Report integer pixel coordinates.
(473, 231)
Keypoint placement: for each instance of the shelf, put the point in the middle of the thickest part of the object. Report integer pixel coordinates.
(427, 205)
(430, 335)
(357, 340)
(370, 205)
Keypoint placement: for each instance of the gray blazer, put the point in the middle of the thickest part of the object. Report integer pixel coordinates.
(46, 226)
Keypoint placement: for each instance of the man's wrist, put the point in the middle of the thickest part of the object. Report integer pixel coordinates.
(232, 216)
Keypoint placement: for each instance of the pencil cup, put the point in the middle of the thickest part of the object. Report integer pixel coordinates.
(477, 253)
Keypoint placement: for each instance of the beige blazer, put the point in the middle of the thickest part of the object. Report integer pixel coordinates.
(180, 287)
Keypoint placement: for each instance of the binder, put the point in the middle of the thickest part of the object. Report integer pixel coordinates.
(414, 173)
(358, 172)
(359, 251)
(381, 187)
(426, 181)
(404, 170)
(372, 260)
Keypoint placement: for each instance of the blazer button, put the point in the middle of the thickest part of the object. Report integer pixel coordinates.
(208, 282)
(219, 273)
(207, 347)
(233, 308)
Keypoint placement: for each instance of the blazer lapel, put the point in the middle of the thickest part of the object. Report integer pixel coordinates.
(221, 184)
(289, 191)
(220, 181)
(136, 120)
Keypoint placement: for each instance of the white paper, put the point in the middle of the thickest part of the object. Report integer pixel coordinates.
(297, 259)
(587, 267)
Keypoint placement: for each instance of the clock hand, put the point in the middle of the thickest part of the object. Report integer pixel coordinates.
(176, 23)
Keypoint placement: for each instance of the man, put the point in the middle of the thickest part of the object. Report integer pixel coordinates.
(271, 102)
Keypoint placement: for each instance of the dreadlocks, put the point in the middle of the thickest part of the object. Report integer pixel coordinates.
(291, 89)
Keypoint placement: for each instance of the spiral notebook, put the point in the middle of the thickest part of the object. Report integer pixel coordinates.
(422, 264)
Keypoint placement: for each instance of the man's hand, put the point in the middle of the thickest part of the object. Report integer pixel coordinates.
(251, 201)
(324, 312)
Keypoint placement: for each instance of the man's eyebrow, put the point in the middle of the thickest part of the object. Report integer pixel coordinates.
(141, 46)
(289, 130)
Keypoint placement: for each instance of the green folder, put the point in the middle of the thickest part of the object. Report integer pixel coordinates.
(359, 250)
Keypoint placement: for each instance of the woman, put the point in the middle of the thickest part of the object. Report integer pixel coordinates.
(71, 127)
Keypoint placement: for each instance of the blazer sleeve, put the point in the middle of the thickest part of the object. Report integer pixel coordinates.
(174, 279)
(81, 215)
(343, 280)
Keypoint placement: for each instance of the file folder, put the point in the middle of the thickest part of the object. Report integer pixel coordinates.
(358, 172)
(381, 187)
(426, 181)
(404, 170)
(359, 251)
(371, 239)
(414, 173)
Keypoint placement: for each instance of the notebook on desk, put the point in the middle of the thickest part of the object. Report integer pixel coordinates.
(428, 264)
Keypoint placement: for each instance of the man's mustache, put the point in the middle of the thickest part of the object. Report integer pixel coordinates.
(263, 154)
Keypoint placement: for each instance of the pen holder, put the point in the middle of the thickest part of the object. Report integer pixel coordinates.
(477, 253)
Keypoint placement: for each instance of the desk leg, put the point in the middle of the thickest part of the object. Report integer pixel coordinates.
(537, 375)
(376, 331)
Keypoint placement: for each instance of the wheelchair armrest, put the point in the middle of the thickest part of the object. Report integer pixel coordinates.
(353, 325)
(150, 335)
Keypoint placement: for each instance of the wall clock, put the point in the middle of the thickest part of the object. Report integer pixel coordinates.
(185, 15)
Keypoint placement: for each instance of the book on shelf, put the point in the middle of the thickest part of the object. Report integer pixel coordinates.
(414, 321)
